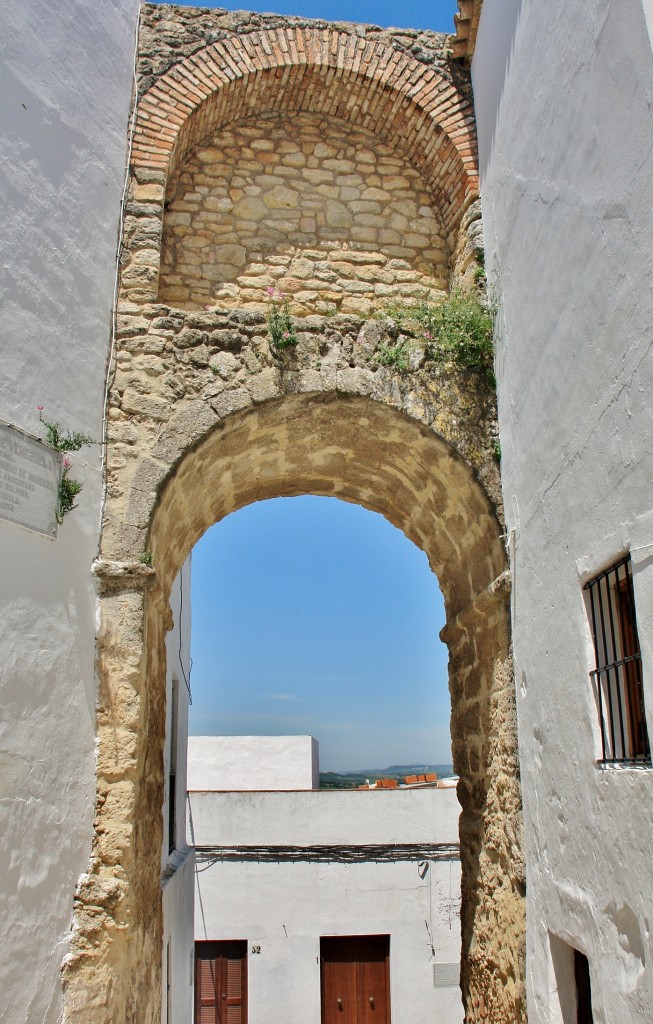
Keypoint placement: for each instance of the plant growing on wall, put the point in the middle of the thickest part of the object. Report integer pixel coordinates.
(65, 441)
(280, 326)
(396, 354)
(457, 330)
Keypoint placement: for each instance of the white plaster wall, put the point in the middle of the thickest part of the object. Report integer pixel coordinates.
(325, 817)
(178, 904)
(564, 92)
(177, 866)
(253, 762)
(284, 908)
(648, 13)
(178, 666)
(65, 87)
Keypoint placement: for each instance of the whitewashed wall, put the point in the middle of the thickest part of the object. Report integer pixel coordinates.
(65, 87)
(177, 866)
(329, 816)
(284, 908)
(564, 92)
(253, 762)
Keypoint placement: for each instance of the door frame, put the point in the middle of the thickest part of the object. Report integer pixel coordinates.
(385, 936)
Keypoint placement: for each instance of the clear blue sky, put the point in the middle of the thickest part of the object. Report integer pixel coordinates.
(313, 616)
(432, 14)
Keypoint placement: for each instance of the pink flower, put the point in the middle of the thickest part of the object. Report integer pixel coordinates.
(286, 334)
(67, 463)
(271, 290)
(40, 408)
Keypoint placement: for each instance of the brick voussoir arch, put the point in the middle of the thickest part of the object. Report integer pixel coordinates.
(317, 70)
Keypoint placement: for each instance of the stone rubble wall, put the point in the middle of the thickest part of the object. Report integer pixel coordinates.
(200, 72)
(169, 35)
(205, 416)
(178, 369)
(312, 206)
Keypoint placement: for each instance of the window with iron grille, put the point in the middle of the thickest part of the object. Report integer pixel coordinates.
(617, 677)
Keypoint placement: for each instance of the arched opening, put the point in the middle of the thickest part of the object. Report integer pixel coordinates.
(315, 206)
(365, 452)
(313, 616)
(314, 644)
(206, 417)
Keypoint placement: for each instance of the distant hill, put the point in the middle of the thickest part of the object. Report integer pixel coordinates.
(353, 779)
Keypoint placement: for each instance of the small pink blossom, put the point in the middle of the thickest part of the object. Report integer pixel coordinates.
(286, 334)
(271, 290)
(40, 408)
(67, 463)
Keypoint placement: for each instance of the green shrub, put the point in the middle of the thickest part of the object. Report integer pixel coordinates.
(65, 441)
(457, 330)
(396, 355)
(68, 491)
(280, 326)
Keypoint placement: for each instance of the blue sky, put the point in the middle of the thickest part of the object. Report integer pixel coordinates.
(314, 616)
(311, 615)
(434, 14)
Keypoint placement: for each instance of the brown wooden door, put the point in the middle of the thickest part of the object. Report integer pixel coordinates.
(221, 982)
(355, 979)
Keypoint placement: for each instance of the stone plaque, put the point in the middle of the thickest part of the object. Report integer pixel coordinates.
(29, 481)
(446, 975)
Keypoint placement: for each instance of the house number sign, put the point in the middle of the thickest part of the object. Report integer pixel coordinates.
(256, 949)
(29, 481)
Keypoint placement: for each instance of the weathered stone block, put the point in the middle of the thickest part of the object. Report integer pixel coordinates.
(149, 406)
(187, 425)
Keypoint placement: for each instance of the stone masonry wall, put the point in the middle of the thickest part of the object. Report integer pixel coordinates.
(200, 72)
(206, 416)
(310, 205)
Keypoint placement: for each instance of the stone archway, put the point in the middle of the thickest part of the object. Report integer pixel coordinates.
(206, 416)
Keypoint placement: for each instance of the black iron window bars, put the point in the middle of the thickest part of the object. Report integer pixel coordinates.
(617, 677)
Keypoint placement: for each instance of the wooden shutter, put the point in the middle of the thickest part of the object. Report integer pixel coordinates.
(221, 982)
(206, 1000)
(634, 694)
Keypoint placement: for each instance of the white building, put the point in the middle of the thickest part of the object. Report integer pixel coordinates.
(253, 762)
(563, 100)
(304, 892)
(177, 857)
(563, 96)
(66, 73)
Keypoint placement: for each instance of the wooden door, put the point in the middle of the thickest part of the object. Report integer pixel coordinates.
(355, 979)
(221, 982)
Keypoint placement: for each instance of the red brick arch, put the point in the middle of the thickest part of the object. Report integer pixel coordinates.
(408, 104)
